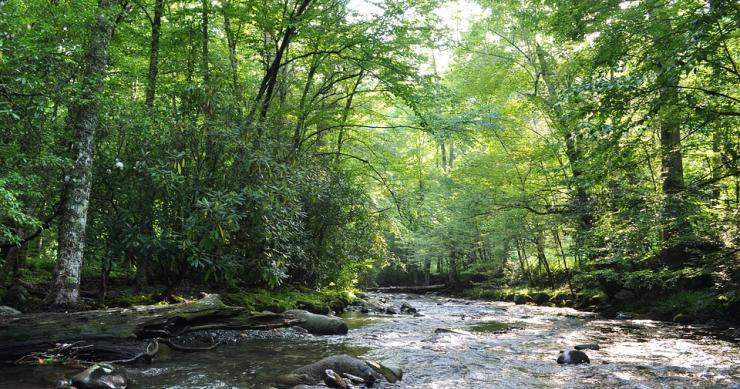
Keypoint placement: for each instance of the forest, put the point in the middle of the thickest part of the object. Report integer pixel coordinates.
(551, 151)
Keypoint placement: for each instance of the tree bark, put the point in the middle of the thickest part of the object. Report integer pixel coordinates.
(151, 86)
(231, 40)
(83, 120)
(675, 225)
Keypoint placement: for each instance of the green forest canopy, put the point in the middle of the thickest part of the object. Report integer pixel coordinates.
(300, 142)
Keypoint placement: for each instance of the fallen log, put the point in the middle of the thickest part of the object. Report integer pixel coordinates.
(123, 333)
(409, 289)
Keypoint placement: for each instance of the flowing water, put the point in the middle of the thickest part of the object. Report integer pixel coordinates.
(492, 345)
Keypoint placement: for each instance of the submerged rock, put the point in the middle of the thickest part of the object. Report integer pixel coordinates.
(492, 327)
(450, 331)
(573, 357)
(319, 324)
(100, 376)
(587, 346)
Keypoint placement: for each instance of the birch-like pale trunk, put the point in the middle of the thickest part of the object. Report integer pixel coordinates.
(83, 120)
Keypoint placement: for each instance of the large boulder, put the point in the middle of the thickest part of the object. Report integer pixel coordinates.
(319, 324)
(541, 298)
(573, 357)
(340, 364)
(100, 376)
(408, 309)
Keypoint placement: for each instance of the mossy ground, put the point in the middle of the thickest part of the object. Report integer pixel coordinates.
(122, 293)
(323, 301)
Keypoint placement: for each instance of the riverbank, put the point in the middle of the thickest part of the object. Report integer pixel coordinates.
(27, 295)
(707, 306)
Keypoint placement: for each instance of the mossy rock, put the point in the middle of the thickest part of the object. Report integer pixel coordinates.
(541, 298)
(683, 318)
(491, 327)
(520, 299)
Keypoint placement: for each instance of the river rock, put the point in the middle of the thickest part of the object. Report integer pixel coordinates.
(541, 298)
(319, 324)
(8, 311)
(391, 311)
(573, 357)
(334, 380)
(522, 299)
(100, 376)
(392, 374)
(341, 364)
(587, 346)
(407, 308)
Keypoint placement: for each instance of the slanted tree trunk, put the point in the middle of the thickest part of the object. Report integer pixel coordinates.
(83, 120)
(345, 113)
(269, 80)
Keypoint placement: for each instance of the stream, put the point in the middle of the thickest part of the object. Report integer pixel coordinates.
(493, 345)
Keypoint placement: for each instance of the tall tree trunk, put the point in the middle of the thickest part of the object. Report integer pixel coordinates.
(427, 270)
(231, 37)
(151, 86)
(523, 260)
(716, 167)
(556, 235)
(675, 225)
(452, 269)
(443, 152)
(146, 227)
(583, 207)
(452, 155)
(83, 119)
(542, 258)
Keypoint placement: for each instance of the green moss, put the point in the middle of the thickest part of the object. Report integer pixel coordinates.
(135, 299)
(281, 300)
(491, 327)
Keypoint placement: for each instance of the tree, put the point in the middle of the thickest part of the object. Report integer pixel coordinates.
(83, 121)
